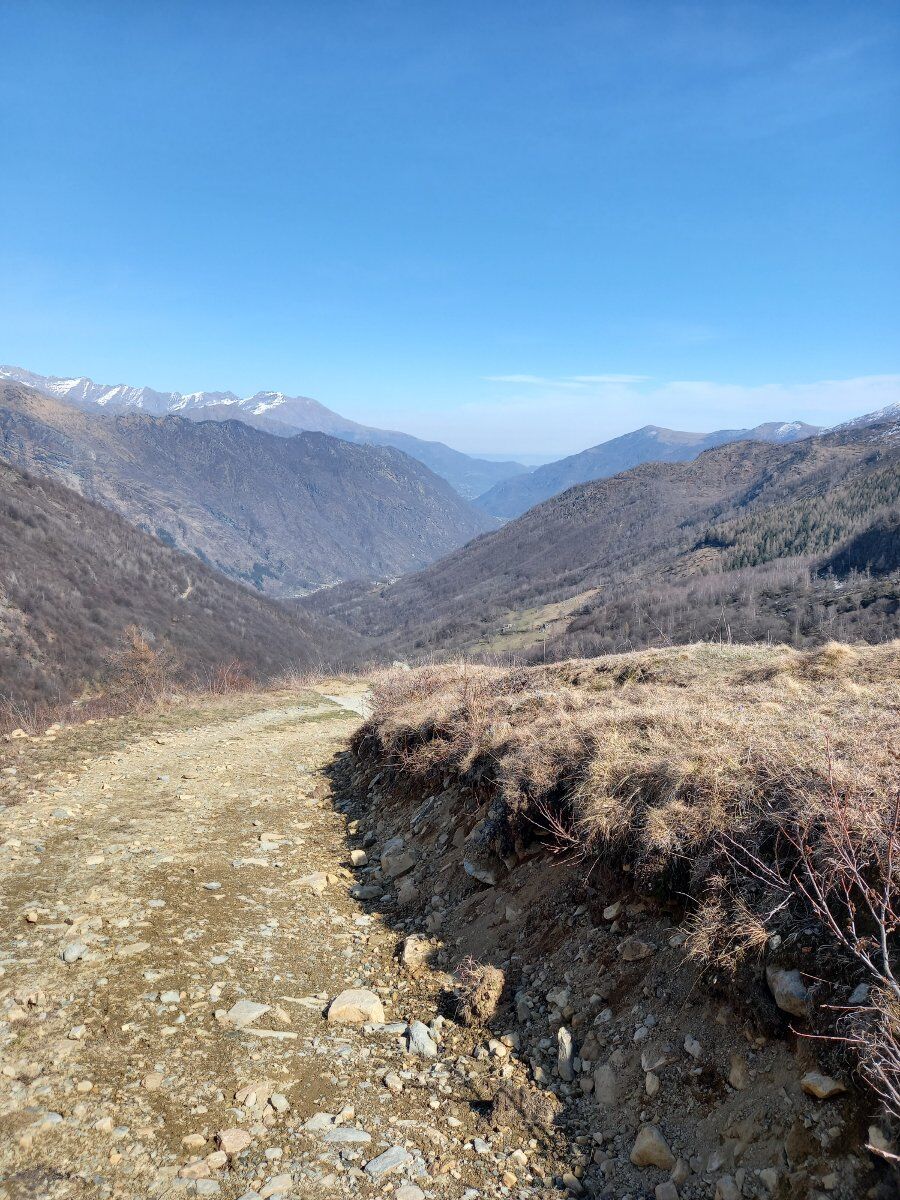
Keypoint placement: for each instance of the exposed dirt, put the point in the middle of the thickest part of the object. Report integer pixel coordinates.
(168, 859)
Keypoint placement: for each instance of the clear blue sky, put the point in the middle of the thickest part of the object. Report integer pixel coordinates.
(460, 218)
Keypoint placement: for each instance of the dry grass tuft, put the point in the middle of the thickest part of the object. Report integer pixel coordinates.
(757, 785)
(479, 987)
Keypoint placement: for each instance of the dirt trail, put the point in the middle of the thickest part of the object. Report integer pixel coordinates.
(139, 901)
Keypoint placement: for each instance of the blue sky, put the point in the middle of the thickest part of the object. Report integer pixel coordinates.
(517, 226)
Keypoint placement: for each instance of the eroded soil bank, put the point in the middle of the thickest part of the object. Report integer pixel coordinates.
(668, 1084)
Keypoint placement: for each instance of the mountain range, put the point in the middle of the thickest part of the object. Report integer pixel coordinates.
(511, 497)
(74, 576)
(286, 514)
(762, 538)
(273, 412)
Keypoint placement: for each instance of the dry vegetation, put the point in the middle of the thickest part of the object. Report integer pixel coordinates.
(755, 788)
(749, 542)
(75, 578)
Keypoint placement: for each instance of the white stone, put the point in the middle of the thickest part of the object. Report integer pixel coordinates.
(356, 1006)
(245, 1012)
(391, 1160)
(420, 1041)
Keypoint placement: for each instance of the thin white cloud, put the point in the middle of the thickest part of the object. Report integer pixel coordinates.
(609, 378)
(565, 381)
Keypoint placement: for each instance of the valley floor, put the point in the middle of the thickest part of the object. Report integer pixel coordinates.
(153, 876)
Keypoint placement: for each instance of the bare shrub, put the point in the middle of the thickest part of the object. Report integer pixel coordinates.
(138, 672)
(229, 678)
(479, 987)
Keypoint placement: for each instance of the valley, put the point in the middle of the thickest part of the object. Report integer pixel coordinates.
(748, 541)
(272, 412)
(284, 515)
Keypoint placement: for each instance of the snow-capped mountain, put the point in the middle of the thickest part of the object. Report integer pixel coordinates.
(273, 412)
(891, 412)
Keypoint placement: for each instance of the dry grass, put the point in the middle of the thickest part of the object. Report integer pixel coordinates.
(141, 675)
(755, 786)
(479, 987)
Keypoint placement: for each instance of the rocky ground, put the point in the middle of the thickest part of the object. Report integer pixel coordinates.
(178, 917)
(669, 1084)
(226, 970)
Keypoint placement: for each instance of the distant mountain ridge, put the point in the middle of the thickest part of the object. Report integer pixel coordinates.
(275, 413)
(74, 576)
(652, 443)
(759, 534)
(285, 514)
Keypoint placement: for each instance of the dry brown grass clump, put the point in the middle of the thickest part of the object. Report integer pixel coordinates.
(479, 987)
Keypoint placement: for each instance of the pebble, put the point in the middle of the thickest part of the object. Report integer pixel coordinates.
(693, 1047)
(73, 952)
(391, 1160)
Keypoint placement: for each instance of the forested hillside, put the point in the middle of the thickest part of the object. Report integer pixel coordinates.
(75, 576)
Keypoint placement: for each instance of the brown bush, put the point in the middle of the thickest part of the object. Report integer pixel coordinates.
(137, 671)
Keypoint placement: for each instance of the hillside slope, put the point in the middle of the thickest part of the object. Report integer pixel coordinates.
(74, 576)
(650, 444)
(273, 412)
(658, 552)
(285, 514)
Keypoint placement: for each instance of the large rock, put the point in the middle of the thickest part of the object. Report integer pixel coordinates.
(652, 1150)
(565, 1053)
(233, 1141)
(823, 1087)
(396, 858)
(606, 1086)
(420, 1041)
(356, 1006)
(245, 1012)
(788, 990)
(391, 1160)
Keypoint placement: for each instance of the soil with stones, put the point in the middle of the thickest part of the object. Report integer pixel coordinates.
(179, 910)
